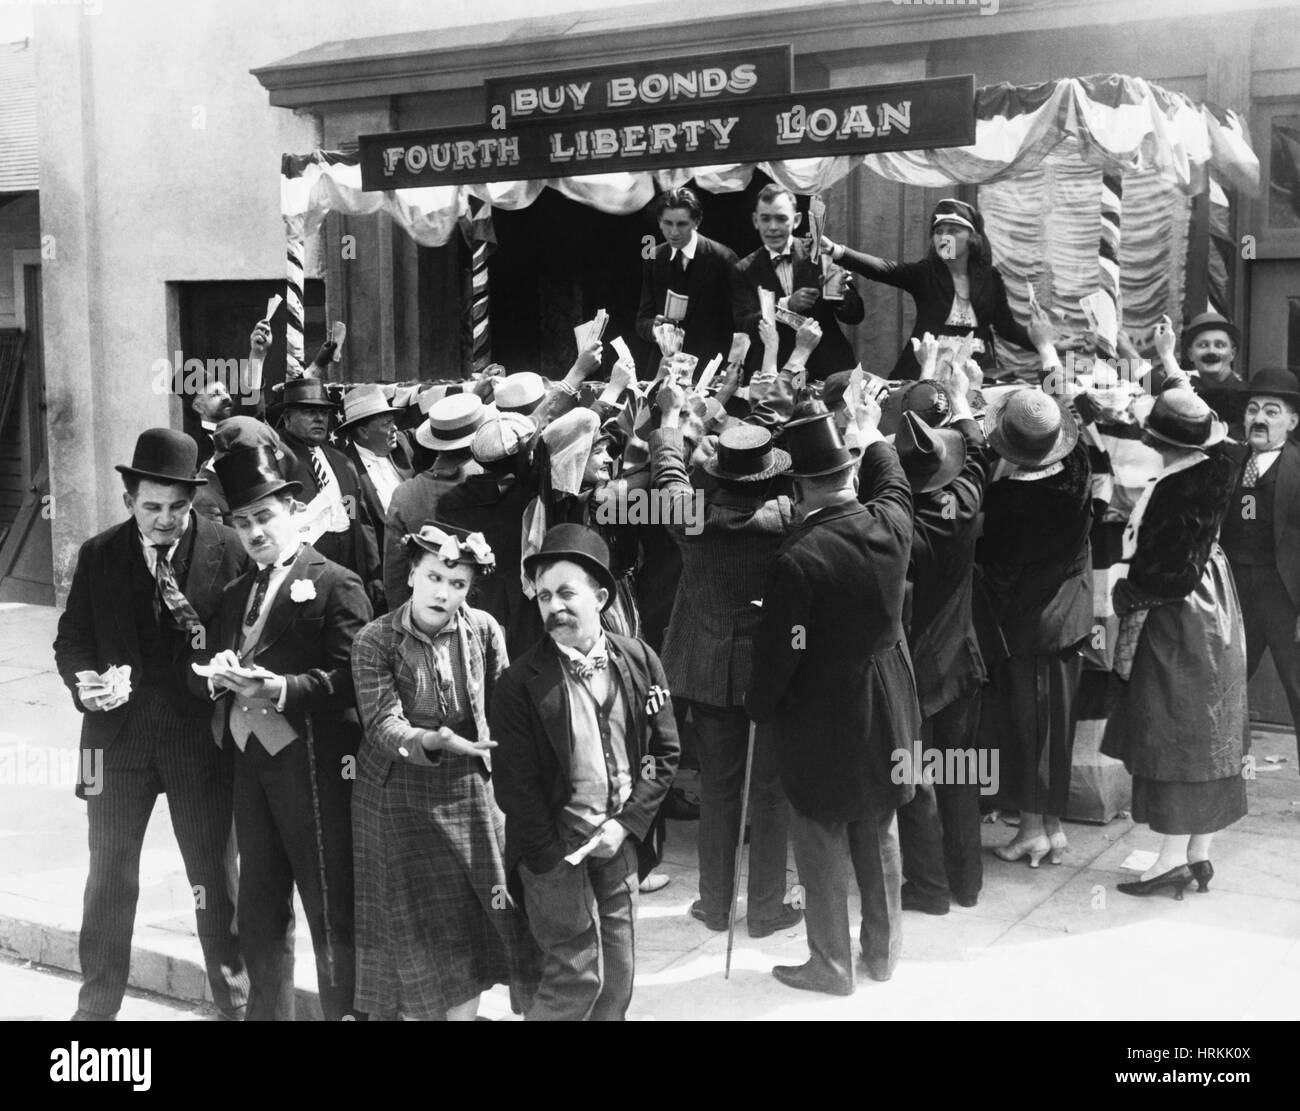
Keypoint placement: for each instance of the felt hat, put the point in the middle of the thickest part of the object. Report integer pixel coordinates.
(452, 422)
(165, 455)
(363, 402)
(1030, 428)
(306, 391)
(1181, 418)
(250, 473)
(580, 545)
(1272, 382)
(746, 454)
(815, 446)
(931, 457)
(928, 399)
(1209, 322)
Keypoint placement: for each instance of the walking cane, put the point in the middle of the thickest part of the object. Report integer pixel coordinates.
(320, 852)
(740, 850)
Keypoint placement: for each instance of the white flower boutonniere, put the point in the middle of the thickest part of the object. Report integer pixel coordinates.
(303, 590)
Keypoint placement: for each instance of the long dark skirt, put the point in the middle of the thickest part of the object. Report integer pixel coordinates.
(1178, 808)
(435, 925)
(1028, 716)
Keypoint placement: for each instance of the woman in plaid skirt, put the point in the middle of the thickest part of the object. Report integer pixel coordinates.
(435, 924)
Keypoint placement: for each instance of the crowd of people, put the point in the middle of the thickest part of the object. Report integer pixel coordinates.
(441, 662)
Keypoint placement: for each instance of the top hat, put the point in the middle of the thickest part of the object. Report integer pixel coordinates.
(250, 473)
(452, 422)
(520, 393)
(166, 456)
(1030, 428)
(1273, 382)
(580, 545)
(931, 457)
(363, 402)
(745, 454)
(1181, 418)
(1209, 322)
(305, 391)
(815, 446)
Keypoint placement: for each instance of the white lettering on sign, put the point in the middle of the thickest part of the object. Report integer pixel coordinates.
(690, 85)
(638, 139)
(464, 154)
(797, 123)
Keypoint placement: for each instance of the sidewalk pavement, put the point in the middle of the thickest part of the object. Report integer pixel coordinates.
(1056, 942)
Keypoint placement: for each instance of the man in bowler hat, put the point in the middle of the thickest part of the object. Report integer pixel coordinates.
(281, 649)
(141, 596)
(832, 674)
(587, 750)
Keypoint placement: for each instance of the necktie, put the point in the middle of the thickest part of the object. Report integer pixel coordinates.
(323, 477)
(262, 581)
(1250, 475)
(585, 669)
(177, 604)
(679, 272)
(783, 265)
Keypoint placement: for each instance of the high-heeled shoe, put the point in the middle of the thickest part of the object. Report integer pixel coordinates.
(1058, 847)
(1202, 872)
(1176, 878)
(1033, 847)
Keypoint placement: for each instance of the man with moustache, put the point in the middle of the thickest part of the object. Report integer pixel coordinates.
(211, 406)
(690, 264)
(587, 749)
(783, 265)
(379, 453)
(1210, 342)
(1261, 532)
(283, 683)
(141, 596)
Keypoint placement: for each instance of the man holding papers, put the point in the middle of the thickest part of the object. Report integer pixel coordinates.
(141, 595)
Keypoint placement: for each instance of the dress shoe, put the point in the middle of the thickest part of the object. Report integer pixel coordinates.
(715, 922)
(1033, 847)
(655, 881)
(913, 901)
(878, 970)
(1058, 846)
(679, 808)
(1174, 880)
(1202, 872)
(89, 1016)
(809, 977)
(964, 900)
(790, 916)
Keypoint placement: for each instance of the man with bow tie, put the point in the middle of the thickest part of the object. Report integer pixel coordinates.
(282, 682)
(1261, 532)
(141, 595)
(586, 752)
(783, 265)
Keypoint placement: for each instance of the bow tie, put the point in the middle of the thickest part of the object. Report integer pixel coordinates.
(783, 257)
(585, 669)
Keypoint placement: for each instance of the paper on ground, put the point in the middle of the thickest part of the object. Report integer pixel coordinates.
(1139, 860)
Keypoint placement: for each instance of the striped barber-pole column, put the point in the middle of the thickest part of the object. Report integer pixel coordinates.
(293, 326)
(479, 318)
(1112, 195)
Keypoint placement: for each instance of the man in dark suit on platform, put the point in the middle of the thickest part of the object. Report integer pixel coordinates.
(689, 264)
(295, 732)
(783, 266)
(1261, 532)
(833, 675)
(141, 595)
(379, 453)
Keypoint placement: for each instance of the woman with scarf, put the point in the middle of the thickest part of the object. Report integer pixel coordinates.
(435, 926)
(957, 289)
(1181, 724)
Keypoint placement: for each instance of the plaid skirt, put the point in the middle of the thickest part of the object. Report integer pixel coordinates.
(435, 925)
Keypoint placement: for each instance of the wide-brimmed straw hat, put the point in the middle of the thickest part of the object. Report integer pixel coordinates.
(363, 402)
(1030, 428)
(1181, 418)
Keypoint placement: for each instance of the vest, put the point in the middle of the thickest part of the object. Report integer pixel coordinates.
(1247, 535)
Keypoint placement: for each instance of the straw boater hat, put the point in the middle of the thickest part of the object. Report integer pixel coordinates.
(580, 545)
(1180, 418)
(745, 454)
(815, 446)
(931, 457)
(452, 422)
(1030, 428)
(520, 393)
(164, 455)
(363, 402)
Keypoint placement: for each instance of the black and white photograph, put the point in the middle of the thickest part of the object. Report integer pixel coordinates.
(597, 510)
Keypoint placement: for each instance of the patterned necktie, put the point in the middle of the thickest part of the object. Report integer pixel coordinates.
(323, 477)
(262, 581)
(178, 605)
(585, 669)
(1250, 476)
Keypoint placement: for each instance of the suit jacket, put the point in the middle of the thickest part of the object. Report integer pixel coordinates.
(709, 645)
(1286, 512)
(707, 323)
(531, 767)
(941, 630)
(401, 458)
(755, 272)
(97, 627)
(308, 642)
(358, 548)
(831, 666)
(203, 440)
(414, 503)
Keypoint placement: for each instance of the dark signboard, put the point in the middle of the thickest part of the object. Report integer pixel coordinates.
(907, 115)
(702, 79)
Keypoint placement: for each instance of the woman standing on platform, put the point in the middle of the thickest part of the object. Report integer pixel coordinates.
(956, 288)
(1181, 724)
(435, 925)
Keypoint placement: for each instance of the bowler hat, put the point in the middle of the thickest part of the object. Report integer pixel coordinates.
(363, 402)
(931, 457)
(815, 446)
(1030, 428)
(250, 473)
(1181, 418)
(1209, 322)
(305, 391)
(166, 456)
(580, 545)
(1273, 382)
(745, 454)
